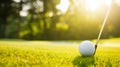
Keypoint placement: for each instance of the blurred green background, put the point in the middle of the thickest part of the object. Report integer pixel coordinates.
(57, 19)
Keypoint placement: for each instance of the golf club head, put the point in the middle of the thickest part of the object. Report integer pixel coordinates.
(95, 49)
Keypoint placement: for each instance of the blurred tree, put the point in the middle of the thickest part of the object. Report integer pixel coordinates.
(44, 14)
(50, 7)
(9, 15)
(5, 7)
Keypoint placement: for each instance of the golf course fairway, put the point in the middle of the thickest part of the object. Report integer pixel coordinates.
(57, 54)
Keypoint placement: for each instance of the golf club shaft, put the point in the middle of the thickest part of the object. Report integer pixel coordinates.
(103, 25)
(101, 30)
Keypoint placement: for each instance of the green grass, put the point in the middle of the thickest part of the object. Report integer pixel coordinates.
(55, 54)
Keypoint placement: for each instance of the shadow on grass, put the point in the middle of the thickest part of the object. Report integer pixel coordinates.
(83, 61)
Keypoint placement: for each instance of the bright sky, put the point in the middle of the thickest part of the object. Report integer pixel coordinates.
(117, 2)
(63, 6)
(16, 0)
(23, 13)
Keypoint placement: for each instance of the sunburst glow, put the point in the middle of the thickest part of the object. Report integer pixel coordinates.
(108, 2)
(92, 5)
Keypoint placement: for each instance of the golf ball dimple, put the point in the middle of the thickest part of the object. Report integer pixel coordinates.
(86, 48)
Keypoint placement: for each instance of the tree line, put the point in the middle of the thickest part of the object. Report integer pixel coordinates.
(43, 21)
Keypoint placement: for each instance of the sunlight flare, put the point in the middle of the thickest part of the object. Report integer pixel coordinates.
(92, 5)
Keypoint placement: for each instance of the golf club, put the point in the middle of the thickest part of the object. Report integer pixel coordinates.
(103, 25)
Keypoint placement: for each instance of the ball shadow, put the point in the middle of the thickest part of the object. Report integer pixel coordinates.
(80, 61)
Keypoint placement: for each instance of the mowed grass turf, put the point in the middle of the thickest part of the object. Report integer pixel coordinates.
(57, 54)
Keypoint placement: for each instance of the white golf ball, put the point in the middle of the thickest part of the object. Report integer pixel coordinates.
(86, 48)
